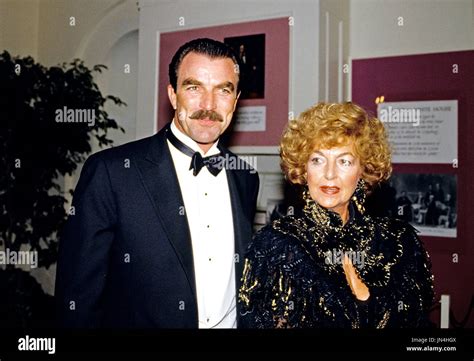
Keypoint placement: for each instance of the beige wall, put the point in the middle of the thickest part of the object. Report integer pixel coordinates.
(19, 22)
(41, 28)
(60, 41)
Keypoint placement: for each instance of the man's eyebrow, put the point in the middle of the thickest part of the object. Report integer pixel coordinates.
(190, 81)
(227, 84)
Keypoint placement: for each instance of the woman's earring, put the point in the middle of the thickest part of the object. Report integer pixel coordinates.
(359, 195)
(306, 196)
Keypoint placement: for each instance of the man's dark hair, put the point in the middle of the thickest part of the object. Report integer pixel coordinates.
(211, 48)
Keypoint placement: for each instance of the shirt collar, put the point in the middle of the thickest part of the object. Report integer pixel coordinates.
(191, 143)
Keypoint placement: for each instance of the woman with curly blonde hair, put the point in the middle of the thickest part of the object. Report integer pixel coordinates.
(333, 265)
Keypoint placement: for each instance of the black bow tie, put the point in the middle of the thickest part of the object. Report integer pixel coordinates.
(214, 163)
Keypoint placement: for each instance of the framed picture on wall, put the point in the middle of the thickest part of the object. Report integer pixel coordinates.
(427, 201)
(251, 52)
(262, 109)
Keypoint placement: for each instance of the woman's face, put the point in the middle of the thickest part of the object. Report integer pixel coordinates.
(332, 176)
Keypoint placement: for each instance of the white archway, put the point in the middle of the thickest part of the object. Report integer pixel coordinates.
(120, 19)
(117, 25)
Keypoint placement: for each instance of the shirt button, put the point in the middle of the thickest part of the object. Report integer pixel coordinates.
(205, 194)
(210, 259)
(208, 226)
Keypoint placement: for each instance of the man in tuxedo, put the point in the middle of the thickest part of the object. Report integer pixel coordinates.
(160, 225)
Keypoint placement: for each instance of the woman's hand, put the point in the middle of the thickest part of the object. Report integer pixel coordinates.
(358, 288)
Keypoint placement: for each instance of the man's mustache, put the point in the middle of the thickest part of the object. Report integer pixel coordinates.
(206, 114)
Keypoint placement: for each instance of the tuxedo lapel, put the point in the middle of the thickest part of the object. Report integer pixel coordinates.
(237, 212)
(236, 191)
(160, 179)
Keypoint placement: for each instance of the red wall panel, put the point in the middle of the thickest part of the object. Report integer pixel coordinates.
(434, 77)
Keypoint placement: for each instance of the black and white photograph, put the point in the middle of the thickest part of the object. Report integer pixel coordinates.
(426, 201)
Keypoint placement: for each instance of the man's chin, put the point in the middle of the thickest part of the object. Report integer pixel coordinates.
(206, 141)
(208, 137)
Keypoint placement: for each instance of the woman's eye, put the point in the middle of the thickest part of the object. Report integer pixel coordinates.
(346, 162)
(316, 160)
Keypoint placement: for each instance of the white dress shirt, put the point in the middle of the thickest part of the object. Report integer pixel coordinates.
(209, 213)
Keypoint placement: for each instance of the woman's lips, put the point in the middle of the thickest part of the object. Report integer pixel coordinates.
(329, 190)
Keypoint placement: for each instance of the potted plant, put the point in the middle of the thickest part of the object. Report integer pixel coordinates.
(48, 118)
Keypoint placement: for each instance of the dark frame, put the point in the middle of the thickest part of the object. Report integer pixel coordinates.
(250, 50)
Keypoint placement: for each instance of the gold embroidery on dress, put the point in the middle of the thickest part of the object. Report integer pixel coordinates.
(312, 231)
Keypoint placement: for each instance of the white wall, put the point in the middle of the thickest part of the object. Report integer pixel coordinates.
(121, 80)
(429, 26)
(334, 50)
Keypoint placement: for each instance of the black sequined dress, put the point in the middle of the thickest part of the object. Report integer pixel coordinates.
(294, 277)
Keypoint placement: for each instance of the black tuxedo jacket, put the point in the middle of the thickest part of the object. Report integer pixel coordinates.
(125, 254)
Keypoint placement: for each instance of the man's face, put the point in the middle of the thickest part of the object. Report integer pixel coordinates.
(205, 97)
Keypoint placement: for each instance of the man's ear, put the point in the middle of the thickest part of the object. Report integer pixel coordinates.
(172, 96)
